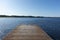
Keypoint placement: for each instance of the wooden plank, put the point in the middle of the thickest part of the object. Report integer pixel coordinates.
(27, 32)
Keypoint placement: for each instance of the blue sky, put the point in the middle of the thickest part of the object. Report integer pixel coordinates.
(30, 7)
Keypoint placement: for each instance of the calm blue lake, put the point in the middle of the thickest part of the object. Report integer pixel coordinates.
(50, 25)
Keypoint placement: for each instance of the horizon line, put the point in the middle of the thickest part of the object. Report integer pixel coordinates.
(22, 16)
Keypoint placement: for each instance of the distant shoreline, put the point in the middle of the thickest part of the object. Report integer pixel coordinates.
(21, 16)
(27, 16)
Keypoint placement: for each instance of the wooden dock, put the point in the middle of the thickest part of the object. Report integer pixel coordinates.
(27, 32)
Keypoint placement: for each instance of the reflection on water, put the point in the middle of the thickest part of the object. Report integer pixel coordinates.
(49, 25)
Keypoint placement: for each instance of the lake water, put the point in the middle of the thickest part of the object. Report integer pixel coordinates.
(50, 25)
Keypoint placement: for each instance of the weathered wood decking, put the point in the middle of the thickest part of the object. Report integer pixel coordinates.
(27, 32)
